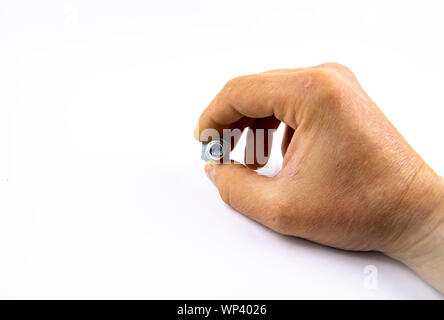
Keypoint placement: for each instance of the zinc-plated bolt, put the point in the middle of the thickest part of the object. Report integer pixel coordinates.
(215, 150)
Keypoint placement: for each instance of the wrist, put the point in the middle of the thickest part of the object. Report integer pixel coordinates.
(421, 247)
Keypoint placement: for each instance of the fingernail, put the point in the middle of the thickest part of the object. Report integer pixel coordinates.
(210, 171)
(196, 131)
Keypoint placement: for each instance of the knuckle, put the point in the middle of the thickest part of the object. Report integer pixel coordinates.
(280, 221)
(234, 82)
(279, 214)
(328, 85)
(325, 78)
(339, 68)
(334, 65)
(231, 88)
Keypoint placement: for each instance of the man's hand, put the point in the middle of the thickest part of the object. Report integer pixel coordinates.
(349, 179)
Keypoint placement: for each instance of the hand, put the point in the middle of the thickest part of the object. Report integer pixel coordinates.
(349, 179)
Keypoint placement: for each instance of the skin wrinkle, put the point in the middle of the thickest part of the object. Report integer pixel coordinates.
(410, 183)
(395, 216)
(410, 259)
(430, 232)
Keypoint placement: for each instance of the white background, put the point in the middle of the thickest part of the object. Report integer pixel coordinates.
(102, 190)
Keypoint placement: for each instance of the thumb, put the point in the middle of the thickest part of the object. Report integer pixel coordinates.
(246, 191)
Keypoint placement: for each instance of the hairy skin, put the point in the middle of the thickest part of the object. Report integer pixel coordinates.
(349, 179)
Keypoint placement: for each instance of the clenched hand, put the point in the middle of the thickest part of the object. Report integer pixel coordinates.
(349, 179)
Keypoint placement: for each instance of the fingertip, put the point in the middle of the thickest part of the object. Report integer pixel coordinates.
(210, 171)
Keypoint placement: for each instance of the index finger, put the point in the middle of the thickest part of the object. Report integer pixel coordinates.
(252, 96)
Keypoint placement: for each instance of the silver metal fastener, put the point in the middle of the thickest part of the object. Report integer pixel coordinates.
(215, 150)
